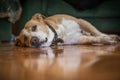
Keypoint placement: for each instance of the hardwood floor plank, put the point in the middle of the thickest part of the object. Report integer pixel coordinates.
(72, 62)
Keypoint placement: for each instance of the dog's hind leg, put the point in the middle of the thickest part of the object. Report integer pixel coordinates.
(95, 40)
(88, 27)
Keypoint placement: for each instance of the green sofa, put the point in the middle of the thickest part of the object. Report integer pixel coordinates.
(105, 17)
(5, 30)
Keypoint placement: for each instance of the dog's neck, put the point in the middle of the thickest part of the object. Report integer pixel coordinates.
(54, 32)
(55, 38)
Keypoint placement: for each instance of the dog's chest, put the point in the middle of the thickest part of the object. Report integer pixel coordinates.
(69, 31)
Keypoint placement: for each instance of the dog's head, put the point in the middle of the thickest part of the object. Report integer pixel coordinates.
(34, 34)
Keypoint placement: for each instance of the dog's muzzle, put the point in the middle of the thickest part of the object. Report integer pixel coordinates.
(34, 42)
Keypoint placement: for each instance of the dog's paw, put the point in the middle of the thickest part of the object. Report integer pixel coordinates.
(115, 37)
(112, 42)
(106, 39)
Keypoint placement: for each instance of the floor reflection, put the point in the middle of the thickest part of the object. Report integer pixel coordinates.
(72, 62)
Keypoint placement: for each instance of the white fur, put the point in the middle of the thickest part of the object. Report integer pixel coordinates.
(50, 38)
(69, 31)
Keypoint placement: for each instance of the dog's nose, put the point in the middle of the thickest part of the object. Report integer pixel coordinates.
(34, 42)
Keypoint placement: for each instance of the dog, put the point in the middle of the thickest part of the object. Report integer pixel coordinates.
(61, 29)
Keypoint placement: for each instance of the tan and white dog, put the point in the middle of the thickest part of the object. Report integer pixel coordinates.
(61, 29)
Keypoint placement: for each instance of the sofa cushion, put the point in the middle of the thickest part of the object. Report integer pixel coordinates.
(5, 30)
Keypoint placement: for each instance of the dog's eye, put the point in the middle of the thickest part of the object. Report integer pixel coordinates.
(34, 28)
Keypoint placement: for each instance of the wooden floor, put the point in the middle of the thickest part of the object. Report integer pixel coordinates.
(73, 62)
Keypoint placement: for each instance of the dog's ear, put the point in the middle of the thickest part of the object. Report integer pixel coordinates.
(38, 17)
(17, 42)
